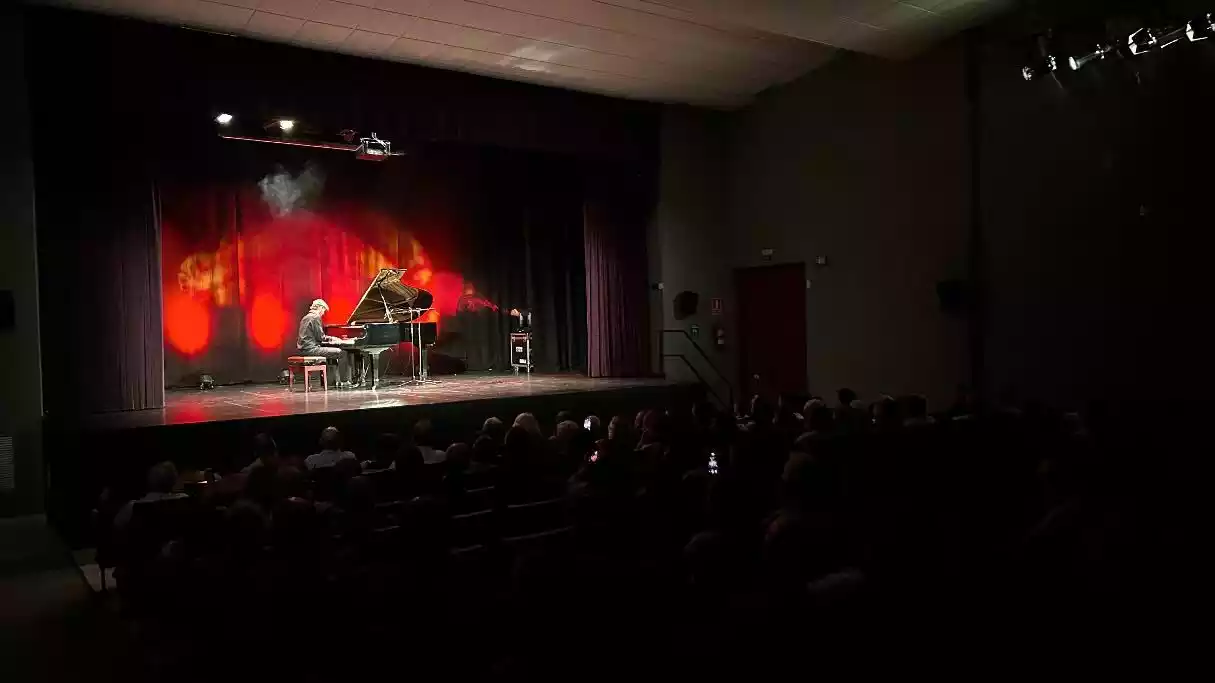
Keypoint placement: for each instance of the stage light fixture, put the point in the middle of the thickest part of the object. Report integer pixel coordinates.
(1077, 63)
(1047, 64)
(1200, 29)
(223, 119)
(206, 382)
(286, 125)
(1141, 41)
(1170, 35)
(375, 149)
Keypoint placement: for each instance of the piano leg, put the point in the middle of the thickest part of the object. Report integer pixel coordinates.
(374, 358)
(353, 366)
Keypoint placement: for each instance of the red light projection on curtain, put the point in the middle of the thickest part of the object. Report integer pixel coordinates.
(187, 323)
(217, 257)
(267, 321)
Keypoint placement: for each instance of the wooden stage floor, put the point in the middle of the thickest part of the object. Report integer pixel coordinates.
(242, 402)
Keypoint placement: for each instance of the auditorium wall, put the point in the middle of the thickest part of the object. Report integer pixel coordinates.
(690, 223)
(865, 162)
(1097, 226)
(1094, 228)
(21, 389)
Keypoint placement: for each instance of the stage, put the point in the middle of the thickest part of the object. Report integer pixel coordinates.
(251, 401)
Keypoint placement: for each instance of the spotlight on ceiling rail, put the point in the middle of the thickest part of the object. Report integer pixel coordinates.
(1200, 29)
(1077, 63)
(1040, 67)
(1141, 41)
(1170, 35)
(367, 148)
(375, 149)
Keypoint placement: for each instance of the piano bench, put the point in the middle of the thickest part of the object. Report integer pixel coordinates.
(309, 364)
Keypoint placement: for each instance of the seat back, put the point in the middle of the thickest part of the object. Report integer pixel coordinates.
(472, 500)
(530, 518)
(154, 523)
(391, 513)
(327, 482)
(480, 478)
(383, 483)
(472, 528)
(541, 542)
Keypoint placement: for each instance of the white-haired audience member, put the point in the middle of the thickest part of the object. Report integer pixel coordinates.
(162, 479)
(528, 422)
(331, 452)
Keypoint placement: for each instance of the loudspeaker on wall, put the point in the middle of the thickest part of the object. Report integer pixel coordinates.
(8, 311)
(956, 296)
(685, 304)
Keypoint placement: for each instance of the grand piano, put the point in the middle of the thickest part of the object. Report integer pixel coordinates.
(387, 315)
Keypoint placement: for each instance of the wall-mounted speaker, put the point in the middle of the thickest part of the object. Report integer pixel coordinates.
(8, 311)
(685, 304)
(956, 297)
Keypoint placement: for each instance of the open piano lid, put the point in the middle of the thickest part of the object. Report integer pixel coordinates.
(387, 296)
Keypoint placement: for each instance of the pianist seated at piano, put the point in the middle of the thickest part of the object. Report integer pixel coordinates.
(314, 342)
(388, 314)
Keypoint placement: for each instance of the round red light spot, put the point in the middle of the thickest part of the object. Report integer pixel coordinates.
(187, 324)
(267, 322)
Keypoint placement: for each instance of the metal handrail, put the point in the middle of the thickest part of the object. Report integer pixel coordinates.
(701, 378)
(662, 354)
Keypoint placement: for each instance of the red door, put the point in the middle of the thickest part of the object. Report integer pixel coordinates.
(771, 329)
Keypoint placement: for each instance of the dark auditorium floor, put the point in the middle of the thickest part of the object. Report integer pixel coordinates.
(52, 626)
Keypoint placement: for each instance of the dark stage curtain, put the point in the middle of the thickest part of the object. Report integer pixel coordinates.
(527, 212)
(617, 206)
(99, 289)
(98, 241)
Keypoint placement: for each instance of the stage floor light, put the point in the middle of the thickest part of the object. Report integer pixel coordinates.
(223, 119)
(286, 125)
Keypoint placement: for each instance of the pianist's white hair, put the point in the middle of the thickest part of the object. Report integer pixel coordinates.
(318, 305)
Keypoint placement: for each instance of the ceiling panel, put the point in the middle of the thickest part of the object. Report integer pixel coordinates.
(317, 34)
(274, 26)
(382, 21)
(367, 43)
(879, 27)
(340, 14)
(301, 9)
(706, 52)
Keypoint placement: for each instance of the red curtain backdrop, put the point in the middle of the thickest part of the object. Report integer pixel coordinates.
(483, 230)
(238, 271)
(237, 277)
